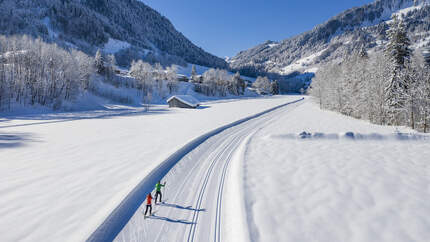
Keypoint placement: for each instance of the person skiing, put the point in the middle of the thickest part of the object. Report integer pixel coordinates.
(158, 190)
(148, 204)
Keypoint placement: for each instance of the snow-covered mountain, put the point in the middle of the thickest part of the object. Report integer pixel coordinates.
(127, 28)
(351, 30)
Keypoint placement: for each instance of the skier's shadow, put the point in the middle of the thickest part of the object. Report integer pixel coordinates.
(171, 220)
(182, 207)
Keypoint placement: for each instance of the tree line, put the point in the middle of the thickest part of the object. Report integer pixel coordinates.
(34, 72)
(389, 87)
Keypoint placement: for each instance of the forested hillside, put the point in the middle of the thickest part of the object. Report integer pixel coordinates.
(340, 36)
(386, 87)
(38, 75)
(127, 28)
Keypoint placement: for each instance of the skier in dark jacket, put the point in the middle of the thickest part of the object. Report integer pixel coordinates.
(148, 204)
(158, 190)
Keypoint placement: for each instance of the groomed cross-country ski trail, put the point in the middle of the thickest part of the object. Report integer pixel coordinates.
(197, 191)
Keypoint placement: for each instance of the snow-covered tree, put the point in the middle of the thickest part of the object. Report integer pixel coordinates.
(263, 85)
(398, 52)
(144, 73)
(99, 62)
(193, 71)
(172, 79)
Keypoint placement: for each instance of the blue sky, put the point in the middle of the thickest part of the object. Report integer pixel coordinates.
(225, 27)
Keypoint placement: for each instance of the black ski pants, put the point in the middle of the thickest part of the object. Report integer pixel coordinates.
(156, 196)
(148, 206)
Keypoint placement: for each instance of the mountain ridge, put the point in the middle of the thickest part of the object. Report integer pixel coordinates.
(348, 31)
(90, 24)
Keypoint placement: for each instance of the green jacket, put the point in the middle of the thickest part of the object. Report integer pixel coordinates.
(158, 187)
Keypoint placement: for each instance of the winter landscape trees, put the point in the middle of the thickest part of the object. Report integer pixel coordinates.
(388, 87)
(33, 72)
(217, 82)
(90, 24)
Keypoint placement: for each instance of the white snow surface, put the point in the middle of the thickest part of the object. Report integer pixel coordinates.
(328, 187)
(62, 174)
(344, 180)
(261, 181)
(114, 45)
(305, 64)
(402, 12)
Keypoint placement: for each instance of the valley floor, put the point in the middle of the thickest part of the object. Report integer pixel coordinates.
(62, 174)
(346, 180)
(257, 181)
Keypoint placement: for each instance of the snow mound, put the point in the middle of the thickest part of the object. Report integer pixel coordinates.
(354, 136)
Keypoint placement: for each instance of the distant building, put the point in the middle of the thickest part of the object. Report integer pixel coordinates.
(183, 101)
(197, 79)
(182, 78)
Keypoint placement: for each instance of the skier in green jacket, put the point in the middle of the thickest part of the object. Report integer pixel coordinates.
(158, 190)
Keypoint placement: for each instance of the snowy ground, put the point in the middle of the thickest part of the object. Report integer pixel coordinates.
(375, 187)
(257, 181)
(262, 181)
(62, 174)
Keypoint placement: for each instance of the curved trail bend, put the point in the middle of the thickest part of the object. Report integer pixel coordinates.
(194, 195)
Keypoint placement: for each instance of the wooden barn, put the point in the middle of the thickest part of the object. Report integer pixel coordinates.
(183, 101)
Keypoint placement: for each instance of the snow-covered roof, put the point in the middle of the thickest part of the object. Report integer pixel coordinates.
(187, 99)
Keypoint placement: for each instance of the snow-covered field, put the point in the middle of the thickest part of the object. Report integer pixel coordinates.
(262, 181)
(329, 187)
(62, 174)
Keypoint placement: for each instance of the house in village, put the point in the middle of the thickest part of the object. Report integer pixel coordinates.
(183, 101)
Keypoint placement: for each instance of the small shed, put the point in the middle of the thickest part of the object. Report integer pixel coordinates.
(183, 101)
(181, 78)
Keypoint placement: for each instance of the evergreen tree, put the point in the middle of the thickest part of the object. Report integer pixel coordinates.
(275, 88)
(398, 42)
(99, 62)
(398, 52)
(193, 71)
(363, 53)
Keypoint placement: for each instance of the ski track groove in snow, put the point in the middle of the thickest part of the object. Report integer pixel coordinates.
(203, 171)
(200, 198)
(121, 215)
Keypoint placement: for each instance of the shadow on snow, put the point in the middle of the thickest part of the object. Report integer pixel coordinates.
(170, 220)
(181, 207)
(72, 116)
(13, 140)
